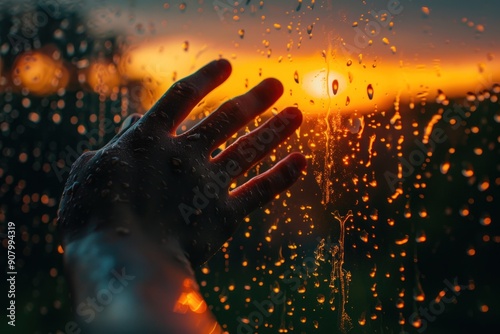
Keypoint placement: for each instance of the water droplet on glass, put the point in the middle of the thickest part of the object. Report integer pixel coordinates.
(335, 86)
(485, 220)
(444, 168)
(310, 29)
(362, 319)
(496, 88)
(441, 97)
(369, 91)
(402, 241)
(471, 97)
(420, 237)
(364, 236)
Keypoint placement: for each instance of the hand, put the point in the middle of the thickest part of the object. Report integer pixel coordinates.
(149, 180)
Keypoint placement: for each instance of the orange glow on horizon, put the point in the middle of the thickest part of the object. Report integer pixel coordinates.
(309, 81)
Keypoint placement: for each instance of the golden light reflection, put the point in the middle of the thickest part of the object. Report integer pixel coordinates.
(103, 77)
(190, 300)
(40, 73)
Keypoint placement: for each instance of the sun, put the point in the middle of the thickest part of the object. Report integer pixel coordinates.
(324, 83)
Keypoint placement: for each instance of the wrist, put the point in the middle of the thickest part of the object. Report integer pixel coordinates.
(121, 282)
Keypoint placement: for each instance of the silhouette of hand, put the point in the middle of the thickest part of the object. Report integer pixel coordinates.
(150, 180)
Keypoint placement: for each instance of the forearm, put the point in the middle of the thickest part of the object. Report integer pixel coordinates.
(122, 284)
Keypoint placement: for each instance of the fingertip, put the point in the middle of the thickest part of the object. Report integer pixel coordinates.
(223, 66)
(292, 167)
(273, 85)
(223, 63)
(268, 91)
(294, 114)
(298, 161)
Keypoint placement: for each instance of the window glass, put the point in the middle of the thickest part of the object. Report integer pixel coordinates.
(394, 227)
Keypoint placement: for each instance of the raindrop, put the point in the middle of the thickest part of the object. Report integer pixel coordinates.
(296, 77)
(241, 33)
(364, 236)
(400, 303)
(421, 237)
(418, 293)
(369, 91)
(347, 101)
(445, 167)
(335, 86)
(416, 322)
(496, 88)
(468, 171)
(349, 62)
(485, 220)
(441, 97)
(355, 126)
(310, 29)
(299, 6)
(402, 241)
(362, 319)
(483, 185)
(471, 97)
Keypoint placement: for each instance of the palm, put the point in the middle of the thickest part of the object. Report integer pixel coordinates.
(171, 183)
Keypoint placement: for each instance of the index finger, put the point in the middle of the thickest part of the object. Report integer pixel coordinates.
(174, 106)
